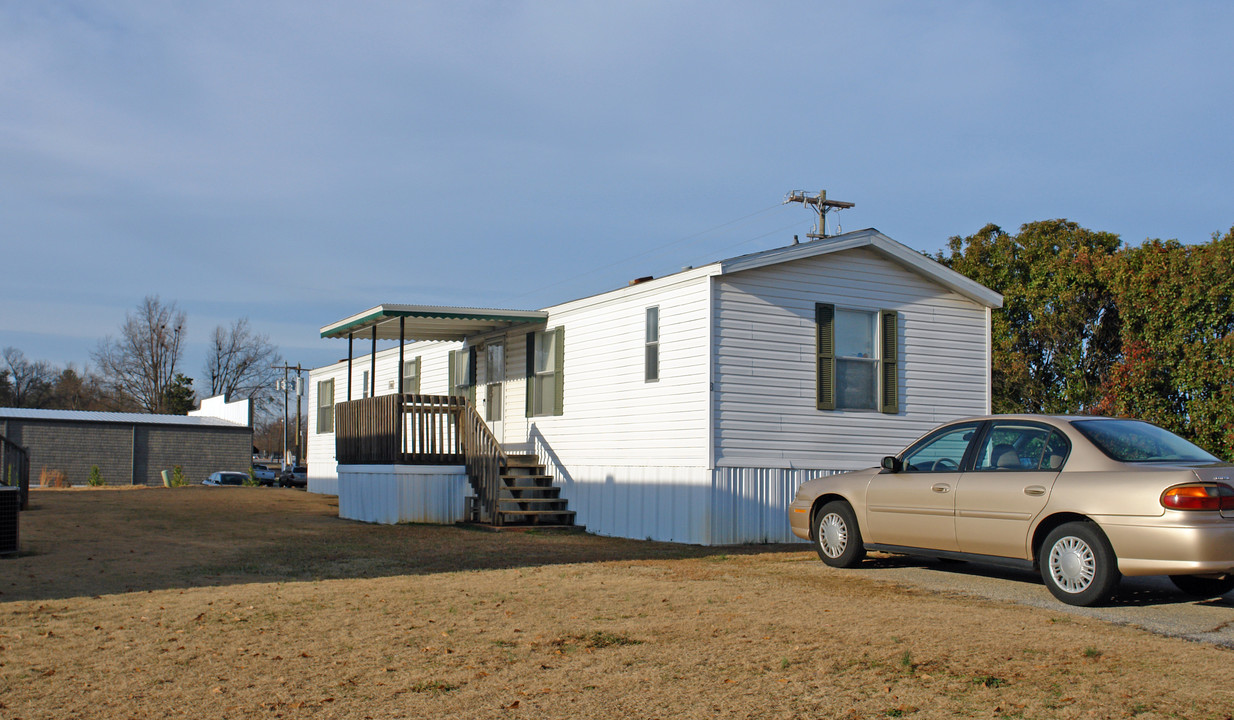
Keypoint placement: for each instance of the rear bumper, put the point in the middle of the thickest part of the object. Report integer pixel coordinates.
(1175, 544)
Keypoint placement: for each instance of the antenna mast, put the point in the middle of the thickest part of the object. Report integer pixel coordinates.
(821, 206)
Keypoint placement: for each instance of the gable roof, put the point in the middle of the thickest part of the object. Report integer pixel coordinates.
(881, 244)
(433, 322)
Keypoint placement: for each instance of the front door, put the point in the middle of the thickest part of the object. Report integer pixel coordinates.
(494, 386)
(916, 506)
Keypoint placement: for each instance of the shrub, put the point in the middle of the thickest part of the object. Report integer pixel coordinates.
(53, 478)
(252, 481)
(177, 477)
(96, 477)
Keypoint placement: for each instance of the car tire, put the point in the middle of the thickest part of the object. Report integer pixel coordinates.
(1203, 587)
(1078, 565)
(837, 537)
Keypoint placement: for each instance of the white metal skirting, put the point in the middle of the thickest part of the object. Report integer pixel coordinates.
(644, 503)
(390, 494)
(323, 473)
(750, 505)
(726, 506)
(323, 485)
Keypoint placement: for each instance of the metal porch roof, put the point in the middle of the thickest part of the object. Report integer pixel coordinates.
(428, 322)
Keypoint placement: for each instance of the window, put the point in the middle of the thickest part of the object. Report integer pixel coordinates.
(1022, 446)
(364, 385)
(325, 406)
(545, 351)
(941, 452)
(411, 376)
(1138, 441)
(651, 364)
(856, 359)
(462, 373)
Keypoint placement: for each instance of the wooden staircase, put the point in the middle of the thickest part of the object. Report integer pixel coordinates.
(528, 497)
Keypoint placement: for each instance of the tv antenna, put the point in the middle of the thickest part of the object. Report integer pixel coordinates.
(821, 206)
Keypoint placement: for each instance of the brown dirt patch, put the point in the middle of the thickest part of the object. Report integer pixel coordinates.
(246, 602)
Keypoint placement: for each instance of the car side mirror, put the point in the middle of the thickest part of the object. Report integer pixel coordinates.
(892, 463)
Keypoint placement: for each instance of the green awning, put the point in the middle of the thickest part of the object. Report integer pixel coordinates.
(428, 322)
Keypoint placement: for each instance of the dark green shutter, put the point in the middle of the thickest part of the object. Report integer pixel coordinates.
(471, 375)
(450, 382)
(560, 368)
(889, 361)
(531, 373)
(824, 320)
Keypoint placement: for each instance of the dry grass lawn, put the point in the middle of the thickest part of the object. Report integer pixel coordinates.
(261, 603)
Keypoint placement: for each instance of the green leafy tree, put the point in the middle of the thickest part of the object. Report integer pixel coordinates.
(178, 396)
(1056, 335)
(1176, 302)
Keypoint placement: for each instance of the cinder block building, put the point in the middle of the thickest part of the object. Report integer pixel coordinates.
(133, 448)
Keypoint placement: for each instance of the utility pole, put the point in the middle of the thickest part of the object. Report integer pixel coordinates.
(286, 388)
(821, 206)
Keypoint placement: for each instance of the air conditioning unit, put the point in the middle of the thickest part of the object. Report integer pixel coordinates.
(10, 504)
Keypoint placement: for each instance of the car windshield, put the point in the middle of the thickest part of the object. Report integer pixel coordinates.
(1138, 441)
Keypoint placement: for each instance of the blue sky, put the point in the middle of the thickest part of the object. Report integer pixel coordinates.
(296, 162)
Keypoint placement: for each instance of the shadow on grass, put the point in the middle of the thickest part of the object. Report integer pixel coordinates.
(1131, 592)
(85, 543)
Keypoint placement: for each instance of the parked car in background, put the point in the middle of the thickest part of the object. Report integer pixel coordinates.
(265, 475)
(294, 477)
(1082, 500)
(223, 478)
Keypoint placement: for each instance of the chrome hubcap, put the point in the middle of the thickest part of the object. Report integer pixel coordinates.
(833, 535)
(1072, 564)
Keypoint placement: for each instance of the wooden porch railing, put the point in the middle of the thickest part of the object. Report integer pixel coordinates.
(399, 430)
(15, 468)
(423, 430)
(485, 459)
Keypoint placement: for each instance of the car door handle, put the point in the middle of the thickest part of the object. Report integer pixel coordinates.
(941, 488)
(1034, 490)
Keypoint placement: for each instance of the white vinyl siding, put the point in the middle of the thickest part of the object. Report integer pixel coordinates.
(766, 412)
(612, 416)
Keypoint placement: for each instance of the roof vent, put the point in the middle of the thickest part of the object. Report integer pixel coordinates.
(638, 281)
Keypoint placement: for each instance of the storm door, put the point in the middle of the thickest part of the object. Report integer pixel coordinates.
(494, 386)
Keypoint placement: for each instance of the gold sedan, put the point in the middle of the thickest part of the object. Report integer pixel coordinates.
(1083, 500)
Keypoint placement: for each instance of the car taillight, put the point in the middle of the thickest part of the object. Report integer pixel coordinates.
(1205, 496)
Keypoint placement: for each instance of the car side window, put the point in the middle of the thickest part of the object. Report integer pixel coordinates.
(941, 452)
(1011, 446)
(1056, 452)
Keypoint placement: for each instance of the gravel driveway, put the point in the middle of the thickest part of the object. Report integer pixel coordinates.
(1151, 603)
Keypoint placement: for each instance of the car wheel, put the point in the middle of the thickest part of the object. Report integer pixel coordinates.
(837, 537)
(1078, 564)
(1203, 587)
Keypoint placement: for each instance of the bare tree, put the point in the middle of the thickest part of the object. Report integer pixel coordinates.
(29, 383)
(138, 367)
(77, 390)
(240, 364)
